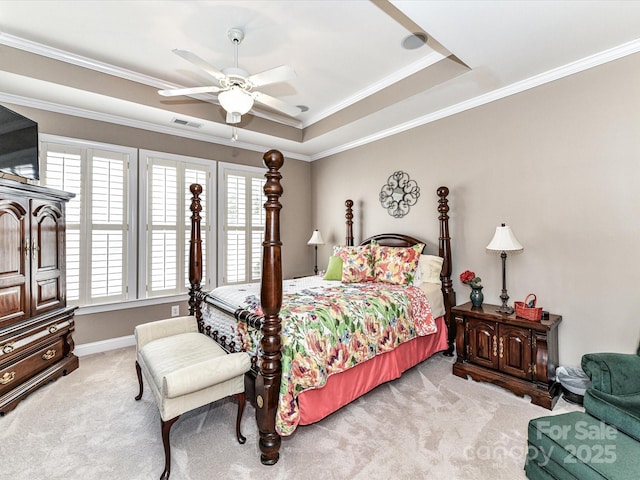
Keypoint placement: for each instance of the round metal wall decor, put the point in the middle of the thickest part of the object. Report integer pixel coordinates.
(399, 193)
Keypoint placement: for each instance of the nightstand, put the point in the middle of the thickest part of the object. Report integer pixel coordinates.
(514, 353)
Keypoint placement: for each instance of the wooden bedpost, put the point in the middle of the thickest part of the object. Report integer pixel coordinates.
(349, 216)
(445, 252)
(195, 255)
(268, 380)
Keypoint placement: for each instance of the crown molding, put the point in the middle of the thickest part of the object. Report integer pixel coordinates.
(128, 122)
(401, 74)
(80, 61)
(106, 68)
(586, 63)
(512, 89)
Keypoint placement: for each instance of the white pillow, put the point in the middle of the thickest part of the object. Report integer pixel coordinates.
(430, 267)
(417, 276)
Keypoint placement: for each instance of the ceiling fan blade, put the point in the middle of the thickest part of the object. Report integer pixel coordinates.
(188, 91)
(274, 75)
(200, 63)
(276, 104)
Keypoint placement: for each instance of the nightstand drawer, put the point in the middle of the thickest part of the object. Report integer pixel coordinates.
(20, 370)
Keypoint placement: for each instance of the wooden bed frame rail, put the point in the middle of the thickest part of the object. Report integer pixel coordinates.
(269, 373)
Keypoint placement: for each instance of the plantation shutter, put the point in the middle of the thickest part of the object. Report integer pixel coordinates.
(169, 224)
(163, 230)
(108, 225)
(62, 170)
(243, 220)
(97, 224)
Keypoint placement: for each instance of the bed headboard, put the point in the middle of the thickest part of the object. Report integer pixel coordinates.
(394, 240)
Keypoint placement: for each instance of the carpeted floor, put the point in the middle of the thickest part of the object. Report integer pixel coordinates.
(428, 424)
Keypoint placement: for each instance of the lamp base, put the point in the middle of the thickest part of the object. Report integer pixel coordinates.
(505, 309)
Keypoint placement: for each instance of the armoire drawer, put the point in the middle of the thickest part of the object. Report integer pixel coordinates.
(32, 334)
(22, 369)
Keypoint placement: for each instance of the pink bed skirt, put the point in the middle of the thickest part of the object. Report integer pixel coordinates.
(346, 386)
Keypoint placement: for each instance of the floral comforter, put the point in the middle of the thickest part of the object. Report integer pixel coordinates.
(328, 330)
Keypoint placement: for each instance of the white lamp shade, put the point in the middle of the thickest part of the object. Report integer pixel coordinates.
(316, 238)
(504, 240)
(235, 100)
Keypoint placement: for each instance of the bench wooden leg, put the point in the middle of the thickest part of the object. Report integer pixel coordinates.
(166, 429)
(241, 402)
(139, 372)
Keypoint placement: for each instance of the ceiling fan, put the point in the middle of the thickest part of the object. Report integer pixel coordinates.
(235, 87)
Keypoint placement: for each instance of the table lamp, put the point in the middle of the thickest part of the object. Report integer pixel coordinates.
(504, 241)
(315, 240)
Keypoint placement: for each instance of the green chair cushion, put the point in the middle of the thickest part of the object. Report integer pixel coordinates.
(615, 373)
(578, 446)
(621, 411)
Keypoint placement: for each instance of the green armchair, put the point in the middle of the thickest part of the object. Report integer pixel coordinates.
(614, 396)
(613, 373)
(603, 442)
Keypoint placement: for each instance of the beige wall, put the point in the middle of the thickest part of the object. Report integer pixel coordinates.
(559, 163)
(296, 226)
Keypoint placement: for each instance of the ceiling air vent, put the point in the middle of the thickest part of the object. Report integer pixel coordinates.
(186, 123)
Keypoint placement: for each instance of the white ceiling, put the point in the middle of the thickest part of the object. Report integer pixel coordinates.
(347, 55)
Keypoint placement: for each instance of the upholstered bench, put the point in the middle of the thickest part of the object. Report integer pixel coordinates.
(578, 446)
(185, 370)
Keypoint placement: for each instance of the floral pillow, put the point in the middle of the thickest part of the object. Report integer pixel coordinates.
(356, 263)
(396, 265)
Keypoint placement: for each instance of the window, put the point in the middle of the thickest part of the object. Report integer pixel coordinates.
(121, 245)
(167, 214)
(97, 268)
(242, 218)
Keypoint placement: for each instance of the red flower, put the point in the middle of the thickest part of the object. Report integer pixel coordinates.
(470, 279)
(467, 276)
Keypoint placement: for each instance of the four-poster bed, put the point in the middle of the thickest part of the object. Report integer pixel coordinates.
(270, 385)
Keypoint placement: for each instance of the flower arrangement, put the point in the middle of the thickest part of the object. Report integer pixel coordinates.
(470, 279)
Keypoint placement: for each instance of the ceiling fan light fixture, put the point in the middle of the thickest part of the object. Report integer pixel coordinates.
(235, 100)
(235, 87)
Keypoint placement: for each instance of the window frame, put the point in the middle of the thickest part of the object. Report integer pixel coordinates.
(130, 213)
(208, 214)
(136, 218)
(223, 169)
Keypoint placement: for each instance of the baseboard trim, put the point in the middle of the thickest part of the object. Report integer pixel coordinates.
(104, 345)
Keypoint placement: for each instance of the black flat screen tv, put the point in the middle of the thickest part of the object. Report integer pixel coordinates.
(18, 145)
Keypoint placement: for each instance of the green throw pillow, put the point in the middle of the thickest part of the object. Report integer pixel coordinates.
(334, 269)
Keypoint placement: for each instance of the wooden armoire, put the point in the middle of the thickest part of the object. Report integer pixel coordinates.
(36, 325)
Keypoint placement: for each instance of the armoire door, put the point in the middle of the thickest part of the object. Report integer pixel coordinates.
(47, 256)
(14, 261)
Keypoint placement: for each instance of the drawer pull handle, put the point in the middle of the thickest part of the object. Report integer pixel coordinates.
(501, 347)
(495, 346)
(7, 378)
(49, 354)
(8, 347)
(53, 329)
